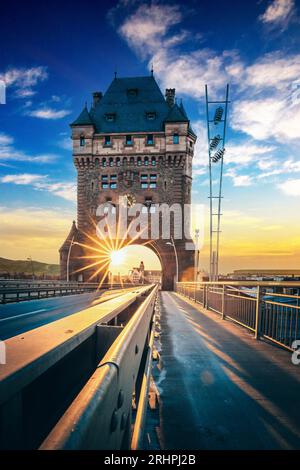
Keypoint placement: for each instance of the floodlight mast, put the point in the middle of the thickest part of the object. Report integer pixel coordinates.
(216, 150)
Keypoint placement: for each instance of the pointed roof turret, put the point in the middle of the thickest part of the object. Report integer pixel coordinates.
(176, 115)
(84, 118)
(71, 237)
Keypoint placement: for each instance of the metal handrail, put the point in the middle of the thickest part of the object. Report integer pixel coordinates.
(64, 351)
(30, 291)
(274, 320)
(100, 416)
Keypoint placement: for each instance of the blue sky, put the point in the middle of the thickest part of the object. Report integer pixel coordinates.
(53, 56)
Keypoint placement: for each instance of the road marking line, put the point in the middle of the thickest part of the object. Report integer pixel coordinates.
(23, 315)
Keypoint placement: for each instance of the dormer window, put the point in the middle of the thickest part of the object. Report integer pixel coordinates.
(132, 92)
(175, 138)
(150, 140)
(82, 141)
(110, 117)
(107, 140)
(128, 140)
(151, 115)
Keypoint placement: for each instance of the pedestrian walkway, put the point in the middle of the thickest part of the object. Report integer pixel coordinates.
(219, 387)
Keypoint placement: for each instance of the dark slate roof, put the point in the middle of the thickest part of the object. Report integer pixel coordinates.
(176, 115)
(84, 119)
(129, 100)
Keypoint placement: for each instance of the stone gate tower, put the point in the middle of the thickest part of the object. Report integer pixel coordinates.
(135, 142)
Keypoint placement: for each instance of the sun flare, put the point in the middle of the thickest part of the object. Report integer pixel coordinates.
(117, 257)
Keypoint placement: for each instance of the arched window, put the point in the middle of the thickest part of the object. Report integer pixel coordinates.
(103, 162)
(118, 161)
(82, 141)
(96, 162)
(153, 161)
(124, 161)
(111, 162)
(131, 161)
(146, 161)
(139, 161)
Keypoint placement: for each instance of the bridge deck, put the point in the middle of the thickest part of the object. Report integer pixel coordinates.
(219, 387)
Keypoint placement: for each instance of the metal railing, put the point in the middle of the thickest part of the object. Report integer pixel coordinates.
(70, 384)
(17, 291)
(268, 309)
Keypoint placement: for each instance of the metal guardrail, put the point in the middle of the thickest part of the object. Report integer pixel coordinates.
(268, 309)
(22, 290)
(85, 366)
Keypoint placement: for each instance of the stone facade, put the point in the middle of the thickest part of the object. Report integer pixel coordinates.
(151, 166)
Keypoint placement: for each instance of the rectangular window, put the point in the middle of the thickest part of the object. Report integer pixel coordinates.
(150, 140)
(175, 139)
(144, 185)
(144, 177)
(104, 177)
(153, 177)
(128, 140)
(113, 185)
(152, 185)
(105, 186)
(113, 177)
(151, 116)
(110, 117)
(107, 140)
(82, 141)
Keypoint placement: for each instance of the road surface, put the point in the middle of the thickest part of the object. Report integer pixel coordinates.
(17, 318)
(219, 387)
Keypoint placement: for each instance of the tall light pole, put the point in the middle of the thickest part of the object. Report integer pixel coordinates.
(197, 234)
(216, 150)
(176, 257)
(68, 258)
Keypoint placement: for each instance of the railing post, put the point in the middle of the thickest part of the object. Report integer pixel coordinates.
(257, 313)
(206, 296)
(223, 301)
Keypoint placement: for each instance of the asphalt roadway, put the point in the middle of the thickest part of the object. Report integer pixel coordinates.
(17, 318)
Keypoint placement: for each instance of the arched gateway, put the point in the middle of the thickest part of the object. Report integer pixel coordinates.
(137, 144)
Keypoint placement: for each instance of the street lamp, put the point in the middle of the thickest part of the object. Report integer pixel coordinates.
(176, 257)
(68, 258)
(197, 234)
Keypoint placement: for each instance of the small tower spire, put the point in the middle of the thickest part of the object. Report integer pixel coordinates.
(152, 70)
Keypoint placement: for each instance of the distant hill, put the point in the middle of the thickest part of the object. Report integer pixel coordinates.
(26, 267)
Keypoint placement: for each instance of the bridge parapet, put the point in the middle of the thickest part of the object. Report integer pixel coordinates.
(57, 364)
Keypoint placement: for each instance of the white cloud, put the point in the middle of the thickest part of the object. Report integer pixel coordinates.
(24, 80)
(200, 151)
(66, 190)
(8, 152)
(5, 139)
(49, 113)
(23, 178)
(271, 113)
(66, 143)
(278, 12)
(266, 118)
(247, 152)
(291, 187)
(239, 180)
